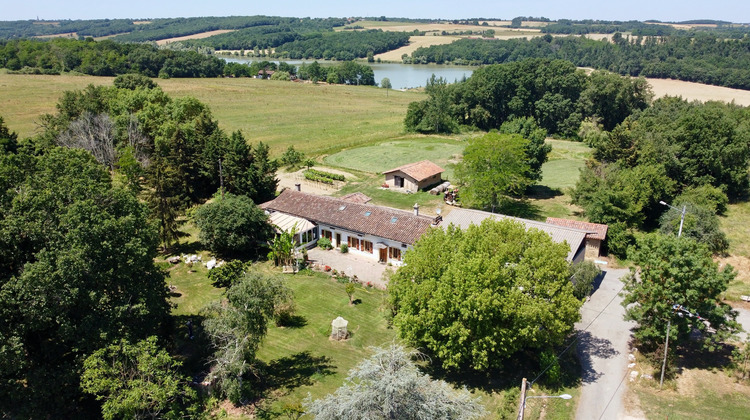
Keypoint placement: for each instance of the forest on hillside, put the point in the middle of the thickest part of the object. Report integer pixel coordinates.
(703, 59)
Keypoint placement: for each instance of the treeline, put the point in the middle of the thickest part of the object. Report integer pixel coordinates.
(721, 29)
(83, 28)
(344, 45)
(552, 92)
(703, 59)
(130, 30)
(569, 27)
(685, 153)
(246, 26)
(105, 58)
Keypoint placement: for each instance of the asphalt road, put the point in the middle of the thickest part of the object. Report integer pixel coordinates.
(603, 351)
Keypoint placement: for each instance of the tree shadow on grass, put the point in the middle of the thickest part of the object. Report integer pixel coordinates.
(543, 192)
(292, 321)
(189, 247)
(292, 372)
(523, 208)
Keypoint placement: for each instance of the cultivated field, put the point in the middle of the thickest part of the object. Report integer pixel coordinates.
(415, 42)
(438, 28)
(193, 36)
(696, 91)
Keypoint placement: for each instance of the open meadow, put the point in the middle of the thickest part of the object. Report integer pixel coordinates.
(314, 118)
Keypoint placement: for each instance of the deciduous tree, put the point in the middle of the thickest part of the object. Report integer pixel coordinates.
(233, 226)
(494, 167)
(137, 381)
(76, 273)
(474, 298)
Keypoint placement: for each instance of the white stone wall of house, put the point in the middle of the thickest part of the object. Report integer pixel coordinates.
(409, 182)
(369, 246)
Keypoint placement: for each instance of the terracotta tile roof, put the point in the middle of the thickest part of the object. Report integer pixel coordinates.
(419, 170)
(572, 236)
(594, 230)
(385, 222)
(357, 197)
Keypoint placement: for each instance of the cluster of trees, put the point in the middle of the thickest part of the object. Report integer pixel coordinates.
(343, 45)
(77, 274)
(552, 92)
(105, 58)
(704, 58)
(253, 68)
(687, 153)
(171, 146)
(85, 205)
(250, 30)
(82, 28)
(580, 27)
(348, 72)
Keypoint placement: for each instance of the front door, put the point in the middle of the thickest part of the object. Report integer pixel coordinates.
(338, 239)
(383, 255)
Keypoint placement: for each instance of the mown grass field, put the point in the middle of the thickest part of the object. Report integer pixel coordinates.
(314, 118)
(443, 151)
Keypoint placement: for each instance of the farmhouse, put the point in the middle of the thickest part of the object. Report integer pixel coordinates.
(595, 234)
(379, 233)
(575, 238)
(414, 176)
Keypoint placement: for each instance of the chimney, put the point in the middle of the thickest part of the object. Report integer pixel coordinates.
(416, 209)
(298, 187)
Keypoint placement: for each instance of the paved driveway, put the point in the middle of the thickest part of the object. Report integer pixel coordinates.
(603, 351)
(365, 269)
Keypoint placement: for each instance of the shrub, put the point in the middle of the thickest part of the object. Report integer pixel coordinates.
(344, 248)
(619, 238)
(324, 243)
(582, 275)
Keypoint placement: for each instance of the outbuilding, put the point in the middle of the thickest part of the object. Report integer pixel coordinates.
(414, 176)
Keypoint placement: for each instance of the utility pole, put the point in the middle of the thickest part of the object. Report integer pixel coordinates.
(666, 347)
(523, 399)
(681, 311)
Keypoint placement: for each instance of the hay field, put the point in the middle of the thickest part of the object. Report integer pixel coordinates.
(697, 91)
(430, 28)
(414, 43)
(193, 36)
(315, 119)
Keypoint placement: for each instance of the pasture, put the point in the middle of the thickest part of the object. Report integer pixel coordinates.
(315, 119)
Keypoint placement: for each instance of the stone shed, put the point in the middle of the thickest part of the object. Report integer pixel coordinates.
(414, 176)
(596, 234)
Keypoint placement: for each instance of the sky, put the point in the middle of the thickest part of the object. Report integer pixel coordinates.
(737, 11)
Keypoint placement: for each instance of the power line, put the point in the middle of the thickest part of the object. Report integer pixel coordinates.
(575, 340)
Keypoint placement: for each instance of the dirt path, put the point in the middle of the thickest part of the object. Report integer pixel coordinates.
(603, 351)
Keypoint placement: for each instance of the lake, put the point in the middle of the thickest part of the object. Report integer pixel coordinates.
(402, 76)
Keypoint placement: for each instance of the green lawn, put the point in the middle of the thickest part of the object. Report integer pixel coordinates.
(391, 154)
(315, 119)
